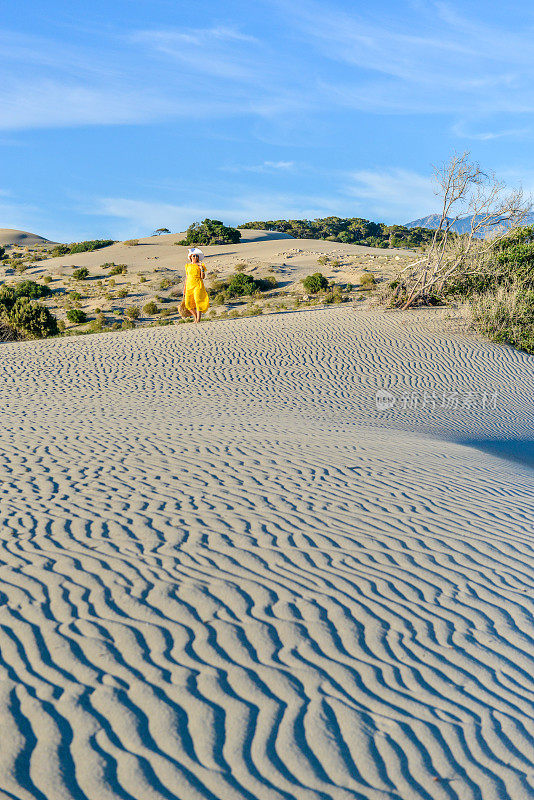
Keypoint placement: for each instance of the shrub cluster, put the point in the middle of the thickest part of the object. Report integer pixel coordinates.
(80, 274)
(20, 311)
(80, 247)
(352, 230)
(241, 285)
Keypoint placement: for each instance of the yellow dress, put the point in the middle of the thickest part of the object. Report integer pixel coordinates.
(195, 294)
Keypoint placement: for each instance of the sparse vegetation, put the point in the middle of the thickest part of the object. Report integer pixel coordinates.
(118, 269)
(80, 274)
(367, 280)
(131, 242)
(150, 308)
(132, 312)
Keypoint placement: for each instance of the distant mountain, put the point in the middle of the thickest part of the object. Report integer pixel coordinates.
(462, 225)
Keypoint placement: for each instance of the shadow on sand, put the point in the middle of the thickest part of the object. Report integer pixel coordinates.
(519, 451)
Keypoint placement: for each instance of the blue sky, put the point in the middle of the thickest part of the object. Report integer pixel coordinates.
(118, 118)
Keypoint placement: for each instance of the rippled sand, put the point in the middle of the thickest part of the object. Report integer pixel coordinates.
(225, 574)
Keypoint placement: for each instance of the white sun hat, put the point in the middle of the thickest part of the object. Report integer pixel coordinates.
(195, 251)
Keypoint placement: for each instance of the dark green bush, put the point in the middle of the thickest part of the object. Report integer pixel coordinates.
(210, 231)
(132, 312)
(150, 308)
(118, 269)
(32, 320)
(315, 283)
(80, 274)
(28, 289)
(76, 315)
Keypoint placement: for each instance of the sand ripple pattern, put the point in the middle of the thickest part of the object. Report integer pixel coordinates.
(225, 575)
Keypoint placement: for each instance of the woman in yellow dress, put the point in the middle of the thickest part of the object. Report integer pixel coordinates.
(196, 298)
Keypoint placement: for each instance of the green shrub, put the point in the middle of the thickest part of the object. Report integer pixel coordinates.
(76, 315)
(127, 324)
(507, 317)
(2, 251)
(315, 283)
(107, 265)
(150, 308)
(142, 279)
(118, 269)
(80, 274)
(32, 320)
(165, 284)
(322, 260)
(122, 293)
(47, 279)
(131, 242)
(31, 290)
(132, 312)
(240, 267)
(240, 285)
(75, 296)
(210, 231)
(80, 247)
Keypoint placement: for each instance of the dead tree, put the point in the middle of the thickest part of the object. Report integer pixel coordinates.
(465, 191)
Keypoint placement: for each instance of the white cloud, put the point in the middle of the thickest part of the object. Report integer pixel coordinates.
(394, 194)
(266, 166)
(141, 217)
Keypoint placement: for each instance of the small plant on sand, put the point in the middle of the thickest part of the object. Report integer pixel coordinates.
(322, 260)
(47, 279)
(127, 324)
(315, 283)
(75, 296)
(132, 312)
(240, 267)
(367, 280)
(118, 269)
(166, 283)
(142, 279)
(80, 274)
(122, 293)
(150, 308)
(131, 242)
(76, 315)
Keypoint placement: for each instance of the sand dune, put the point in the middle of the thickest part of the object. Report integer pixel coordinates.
(226, 574)
(12, 236)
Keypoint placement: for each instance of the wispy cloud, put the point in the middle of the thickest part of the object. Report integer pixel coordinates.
(265, 167)
(139, 216)
(394, 194)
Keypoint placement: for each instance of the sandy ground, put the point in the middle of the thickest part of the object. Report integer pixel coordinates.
(158, 258)
(226, 574)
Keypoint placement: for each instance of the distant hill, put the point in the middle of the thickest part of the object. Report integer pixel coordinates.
(10, 236)
(462, 225)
